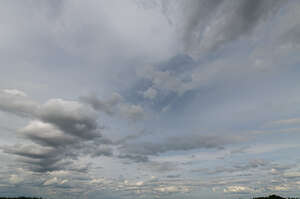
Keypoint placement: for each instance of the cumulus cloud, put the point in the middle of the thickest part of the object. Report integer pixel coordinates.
(46, 134)
(71, 117)
(60, 130)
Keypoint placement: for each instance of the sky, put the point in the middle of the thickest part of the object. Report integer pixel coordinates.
(130, 99)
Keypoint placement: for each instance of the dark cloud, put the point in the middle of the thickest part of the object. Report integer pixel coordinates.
(46, 134)
(134, 158)
(245, 17)
(173, 176)
(209, 24)
(71, 117)
(197, 12)
(39, 159)
(291, 36)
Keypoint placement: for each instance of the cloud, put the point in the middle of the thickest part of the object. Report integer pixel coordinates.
(61, 131)
(255, 163)
(134, 158)
(38, 159)
(17, 102)
(238, 189)
(132, 112)
(163, 80)
(101, 151)
(208, 25)
(15, 179)
(291, 121)
(251, 165)
(71, 117)
(168, 189)
(115, 106)
(46, 134)
(53, 181)
(180, 144)
(292, 174)
(14, 92)
(107, 106)
(150, 93)
(161, 167)
(206, 67)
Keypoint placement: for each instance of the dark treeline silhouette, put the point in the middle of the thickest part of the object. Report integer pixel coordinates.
(21, 197)
(273, 197)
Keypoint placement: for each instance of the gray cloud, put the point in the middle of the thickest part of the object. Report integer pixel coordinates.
(208, 25)
(115, 106)
(245, 16)
(197, 13)
(61, 130)
(17, 102)
(107, 106)
(46, 134)
(180, 144)
(207, 71)
(71, 117)
(160, 167)
(134, 158)
(291, 36)
(100, 151)
(39, 159)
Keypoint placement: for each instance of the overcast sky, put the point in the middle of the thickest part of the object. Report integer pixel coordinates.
(128, 99)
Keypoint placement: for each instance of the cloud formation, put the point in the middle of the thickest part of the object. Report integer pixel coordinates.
(209, 25)
(60, 132)
(164, 74)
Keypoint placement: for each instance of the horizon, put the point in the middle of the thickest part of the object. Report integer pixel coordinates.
(129, 99)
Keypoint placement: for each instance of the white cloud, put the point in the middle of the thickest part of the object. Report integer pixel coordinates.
(55, 180)
(132, 112)
(291, 121)
(15, 179)
(238, 189)
(292, 174)
(150, 93)
(15, 92)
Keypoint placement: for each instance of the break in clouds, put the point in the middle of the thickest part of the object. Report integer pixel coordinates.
(149, 98)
